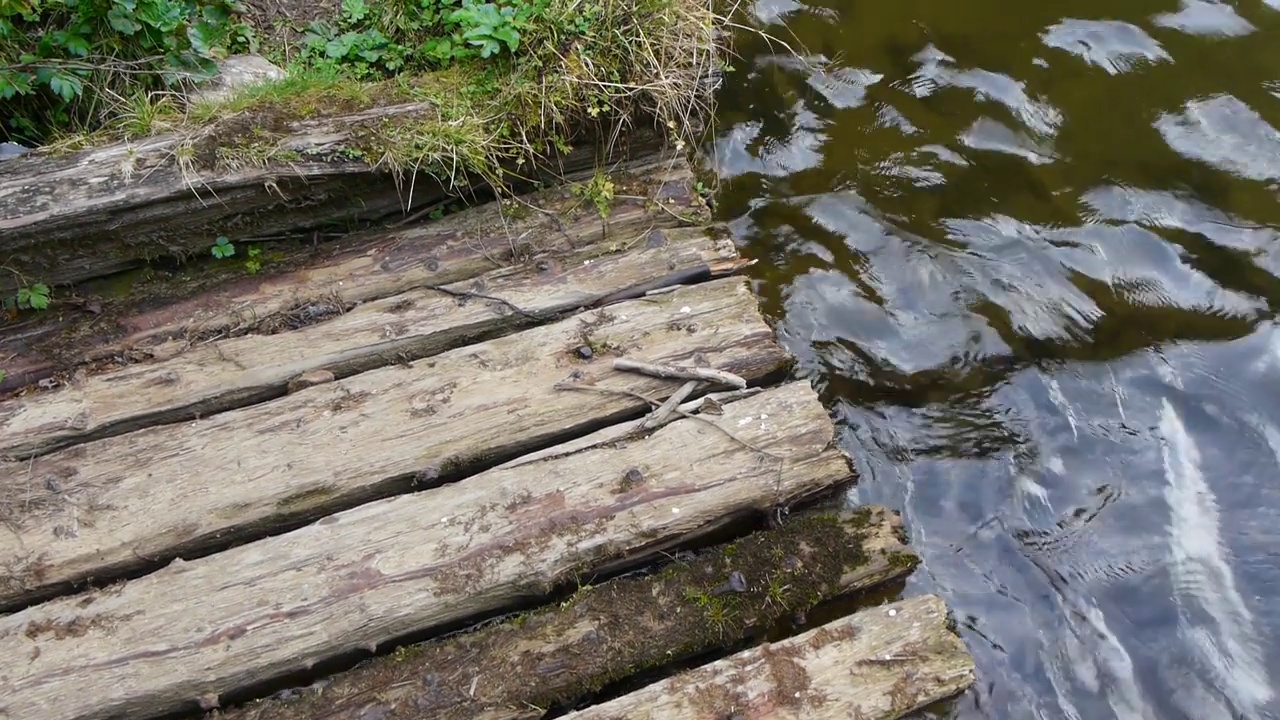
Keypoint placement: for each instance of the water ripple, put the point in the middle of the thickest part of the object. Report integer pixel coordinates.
(1224, 132)
(1031, 257)
(1205, 17)
(1114, 46)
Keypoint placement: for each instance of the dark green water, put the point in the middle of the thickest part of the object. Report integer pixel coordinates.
(1030, 254)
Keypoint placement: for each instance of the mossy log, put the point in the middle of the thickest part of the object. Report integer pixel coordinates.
(604, 633)
(234, 372)
(656, 191)
(90, 510)
(93, 212)
(878, 664)
(354, 580)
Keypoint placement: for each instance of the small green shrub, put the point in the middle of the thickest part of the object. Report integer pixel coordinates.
(63, 63)
(222, 248)
(253, 265)
(29, 297)
(418, 34)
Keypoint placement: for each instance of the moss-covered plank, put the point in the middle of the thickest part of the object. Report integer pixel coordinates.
(198, 629)
(101, 211)
(878, 664)
(611, 631)
(125, 503)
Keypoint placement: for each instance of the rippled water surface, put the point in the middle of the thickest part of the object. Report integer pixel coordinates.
(1031, 254)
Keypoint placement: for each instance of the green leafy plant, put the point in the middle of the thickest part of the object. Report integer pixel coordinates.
(35, 297)
(353, 43)
(254, 264)
(222, 248)
(599, 191)
(488, 27)
(61, 59)
(30, 297)
(432, 34)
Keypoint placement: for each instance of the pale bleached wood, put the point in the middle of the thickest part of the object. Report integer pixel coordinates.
(238, 371)
(652, 192)
(104, 209)
(682, 373)
(877, 664)
(126, 502)
(610, 631)
(663, 413)
(409, 563)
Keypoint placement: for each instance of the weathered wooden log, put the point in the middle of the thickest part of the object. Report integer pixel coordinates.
(413, 563)
(239, 371)
(656, 191)
(102, 210)
(614, 630)
(877, 664)
(90, 510)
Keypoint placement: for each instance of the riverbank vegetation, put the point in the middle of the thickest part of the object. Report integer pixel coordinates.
(481, 82)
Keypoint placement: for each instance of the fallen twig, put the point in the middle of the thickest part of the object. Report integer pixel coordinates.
(663, 414)
(679, 373)
(678, 411)
(707, 402)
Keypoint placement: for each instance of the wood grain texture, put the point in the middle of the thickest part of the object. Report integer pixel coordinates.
(239, 371)
(878, 664)
(410, 563)
(126, 502)
(609, 631)
(105, 209)
(655, 191)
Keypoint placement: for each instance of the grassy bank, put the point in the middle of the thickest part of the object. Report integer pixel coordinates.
(483, 84)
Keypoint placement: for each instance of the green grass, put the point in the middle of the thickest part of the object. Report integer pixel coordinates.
(580, 68)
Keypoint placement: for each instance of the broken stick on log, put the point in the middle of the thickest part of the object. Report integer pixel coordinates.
(878, 664)
(679, 373)
(519, 668)
(663, 413)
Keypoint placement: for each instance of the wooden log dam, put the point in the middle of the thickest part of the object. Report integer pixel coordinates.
(538, 458)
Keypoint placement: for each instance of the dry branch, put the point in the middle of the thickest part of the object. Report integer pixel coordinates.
(878, 664)
(680, 373)
(663, 413)
(610, 631)
(406, 564)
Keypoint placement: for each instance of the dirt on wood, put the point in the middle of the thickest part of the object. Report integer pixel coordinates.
(89, 510)
(413, 563)
(604, 633)
(878, 664)
(234, 372)
(88, 215)
(145, 314)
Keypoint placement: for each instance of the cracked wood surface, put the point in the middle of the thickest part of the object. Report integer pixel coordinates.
(415, 562)
(239, 371)
(609, 631)
(878, 664)
(656, 191)
(106, 209)
(125, 503)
